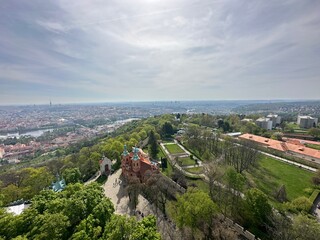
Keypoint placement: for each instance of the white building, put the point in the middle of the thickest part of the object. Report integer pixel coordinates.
(307, 121)
(105, 166)
(17, 209)
(265, 123)
(276, 119)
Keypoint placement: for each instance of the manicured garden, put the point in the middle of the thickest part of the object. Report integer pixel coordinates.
(196, 170)
(186, 161)
(160, 153)
(271, 174)
(168, 171)
(174, 148)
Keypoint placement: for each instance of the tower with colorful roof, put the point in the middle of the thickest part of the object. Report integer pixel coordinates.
(137, 165)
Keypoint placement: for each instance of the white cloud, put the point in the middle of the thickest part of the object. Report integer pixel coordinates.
(167, 49)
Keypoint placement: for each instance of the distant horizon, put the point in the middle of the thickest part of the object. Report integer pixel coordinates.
(159, 101)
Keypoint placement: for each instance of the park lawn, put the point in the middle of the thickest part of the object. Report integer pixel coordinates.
(174, 148)
(167, 140)
(271, 174)
(168, 171)
(160, 153)
(314, 146)
(194, 170)
(186, 161)
(198, 183)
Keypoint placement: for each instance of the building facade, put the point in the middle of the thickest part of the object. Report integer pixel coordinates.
(276, 119)
(105, 166)
(137, 165)
(264, 123)
(307, 122)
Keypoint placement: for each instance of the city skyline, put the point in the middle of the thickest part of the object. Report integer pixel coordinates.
(152, 50)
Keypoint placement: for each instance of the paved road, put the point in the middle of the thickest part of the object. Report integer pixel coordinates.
(115, 189)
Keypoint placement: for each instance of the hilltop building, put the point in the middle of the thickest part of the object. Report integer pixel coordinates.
(276, 119)
(137, 165)
(307, 122)
(105, 166)
(292, 147)
(265, 123)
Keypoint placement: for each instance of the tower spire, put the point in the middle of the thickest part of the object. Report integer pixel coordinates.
(125, 151)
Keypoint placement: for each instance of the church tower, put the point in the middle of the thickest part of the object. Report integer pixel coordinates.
(135, 160)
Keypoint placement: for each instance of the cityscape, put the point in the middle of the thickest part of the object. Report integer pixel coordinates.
(159, 120)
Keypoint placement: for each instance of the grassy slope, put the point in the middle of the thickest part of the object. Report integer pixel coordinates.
(195, 170)
(186, 161)
(271, 174)
(174, 148)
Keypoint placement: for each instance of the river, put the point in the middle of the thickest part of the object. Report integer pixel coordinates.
(35, 133)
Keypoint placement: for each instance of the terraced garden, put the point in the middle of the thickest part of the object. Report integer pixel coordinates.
(174, 148)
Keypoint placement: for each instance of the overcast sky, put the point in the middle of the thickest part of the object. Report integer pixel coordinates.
(140, 50)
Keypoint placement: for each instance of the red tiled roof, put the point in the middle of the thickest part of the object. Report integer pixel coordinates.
(282, 146)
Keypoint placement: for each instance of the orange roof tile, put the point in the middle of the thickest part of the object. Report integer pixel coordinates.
(292, 146)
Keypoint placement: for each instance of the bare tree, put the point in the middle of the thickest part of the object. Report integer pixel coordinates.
(214, 174)
(134, 189)
(241, 157)
(281, 194)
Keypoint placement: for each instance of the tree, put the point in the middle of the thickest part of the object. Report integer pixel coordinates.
(49, 226)
(281, 194)
(126, 228)
(316, 178)
(315, 132)
(146, 229)
(240, 157)
(179, 178)
(134, 189)
(280, 227)
(277, 136)
(214, 175)
(300, 204)
(258, 210)
(187, 212)
(153, 145)
(305, 228)
(78, 212)
(72, 175)
(167, 130)
(235, 183)
(158, 190)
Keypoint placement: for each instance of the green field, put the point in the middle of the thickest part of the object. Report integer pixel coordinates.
(174, 148)
(271, 174)
(168, 171)
(195, 170)
(199, 183)
(314, 146)
(161, 153)
(186, 161)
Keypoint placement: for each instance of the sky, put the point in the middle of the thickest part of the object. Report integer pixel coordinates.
(71, 51)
